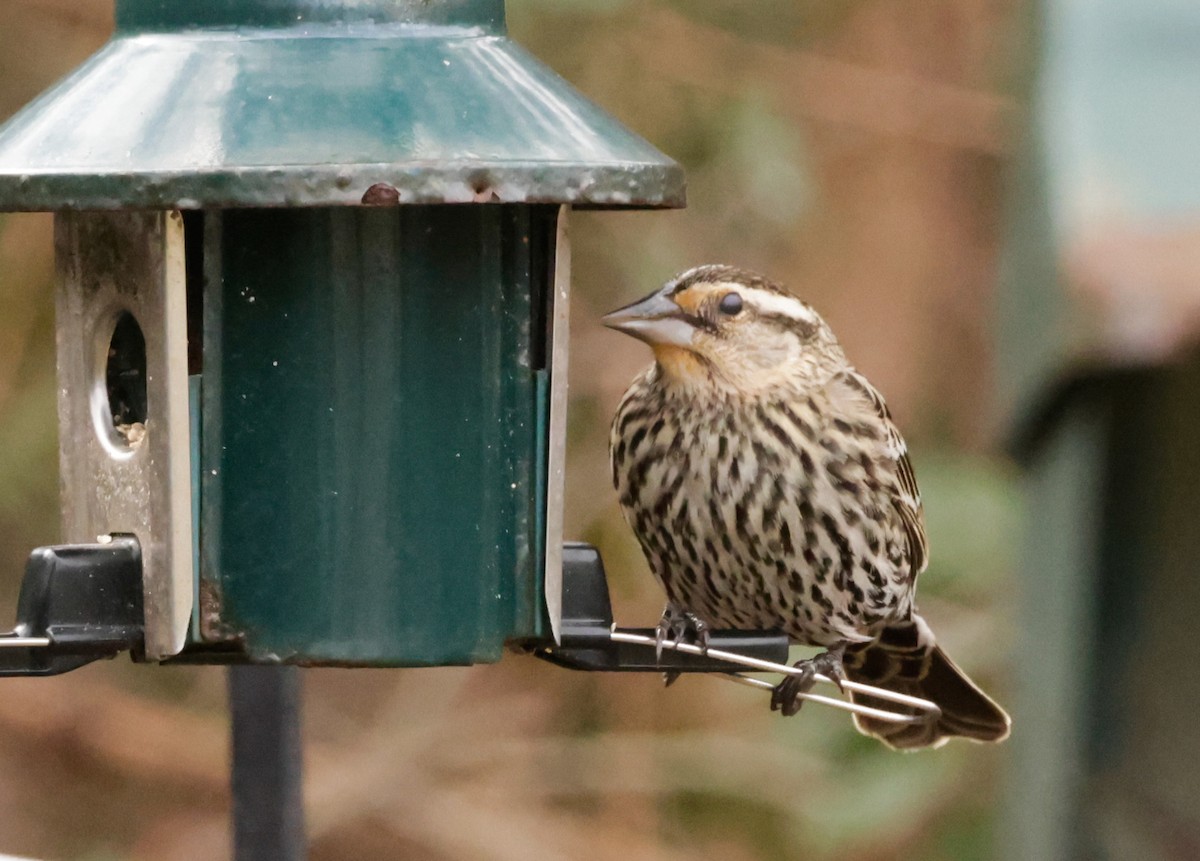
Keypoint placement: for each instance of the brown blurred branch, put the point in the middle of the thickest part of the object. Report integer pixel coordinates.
(140, 738)
(829, 90)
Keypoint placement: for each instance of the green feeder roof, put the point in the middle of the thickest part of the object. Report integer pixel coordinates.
(318, 103)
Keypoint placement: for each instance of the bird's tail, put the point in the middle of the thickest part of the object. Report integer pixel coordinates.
(906, 659)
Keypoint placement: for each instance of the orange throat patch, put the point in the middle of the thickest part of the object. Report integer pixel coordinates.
(678, 363)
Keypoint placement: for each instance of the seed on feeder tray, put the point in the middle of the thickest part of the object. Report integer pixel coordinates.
(133, 433)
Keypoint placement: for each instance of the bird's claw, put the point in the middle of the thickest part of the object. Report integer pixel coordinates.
(787, 695)
(682, 627)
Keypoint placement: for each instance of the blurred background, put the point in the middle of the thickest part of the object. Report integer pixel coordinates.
(898, 164)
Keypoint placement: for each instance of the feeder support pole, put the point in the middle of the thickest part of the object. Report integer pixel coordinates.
(268, 804)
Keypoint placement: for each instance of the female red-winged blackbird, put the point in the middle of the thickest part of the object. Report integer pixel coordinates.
(770, 489)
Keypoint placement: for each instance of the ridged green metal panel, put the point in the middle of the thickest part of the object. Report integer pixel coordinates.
(370, 431)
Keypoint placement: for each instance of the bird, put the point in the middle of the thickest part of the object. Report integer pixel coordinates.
(770, 489)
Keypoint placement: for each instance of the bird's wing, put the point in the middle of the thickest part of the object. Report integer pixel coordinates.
(851, 389)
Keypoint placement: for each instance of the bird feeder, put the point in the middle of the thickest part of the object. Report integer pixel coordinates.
(311, 322)
(313, 280)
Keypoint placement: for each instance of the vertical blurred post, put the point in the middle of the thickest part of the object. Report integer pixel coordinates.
(1099, 330)
(268, 804)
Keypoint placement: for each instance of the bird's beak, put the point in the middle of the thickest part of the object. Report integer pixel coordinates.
(655, 320)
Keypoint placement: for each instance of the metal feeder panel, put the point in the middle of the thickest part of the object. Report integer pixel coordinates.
(373, 431)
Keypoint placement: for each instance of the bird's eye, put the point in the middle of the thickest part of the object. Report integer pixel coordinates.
(730, 304)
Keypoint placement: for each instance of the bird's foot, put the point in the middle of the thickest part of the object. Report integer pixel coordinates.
(682, 627)
(786, 697)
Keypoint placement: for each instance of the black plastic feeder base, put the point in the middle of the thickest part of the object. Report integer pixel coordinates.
(78, 603)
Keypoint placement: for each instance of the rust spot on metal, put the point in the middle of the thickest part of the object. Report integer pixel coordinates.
(381, 194)
(212, 628)
(481, 186)
(486, 195)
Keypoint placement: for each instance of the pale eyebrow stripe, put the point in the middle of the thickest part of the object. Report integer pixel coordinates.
(783, 306)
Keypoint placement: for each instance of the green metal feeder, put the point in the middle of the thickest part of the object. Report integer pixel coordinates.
(312, 320)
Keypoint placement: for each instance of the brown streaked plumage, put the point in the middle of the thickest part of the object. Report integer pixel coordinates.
(770, 489)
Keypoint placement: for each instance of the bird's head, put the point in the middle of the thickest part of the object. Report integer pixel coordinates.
(725, 326)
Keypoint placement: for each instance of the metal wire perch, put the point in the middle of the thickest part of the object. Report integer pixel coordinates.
(590, 641)
(926, 710)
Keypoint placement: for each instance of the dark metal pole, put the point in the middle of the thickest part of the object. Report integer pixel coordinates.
(268, 807)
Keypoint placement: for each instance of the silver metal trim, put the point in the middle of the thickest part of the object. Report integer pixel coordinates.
(557, 448)
(109, 264)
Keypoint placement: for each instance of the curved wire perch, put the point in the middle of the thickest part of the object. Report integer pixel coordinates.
(927, 711)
